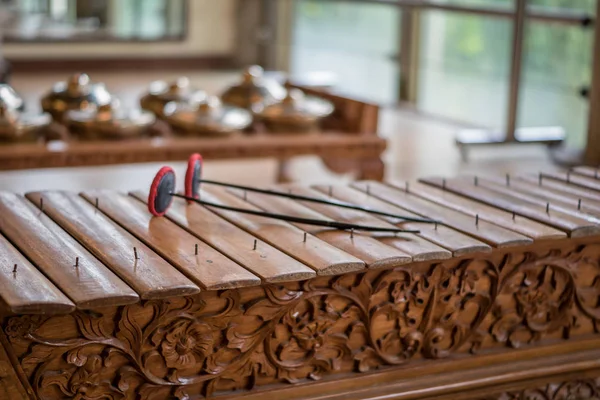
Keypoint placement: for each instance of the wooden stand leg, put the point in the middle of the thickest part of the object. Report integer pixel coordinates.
(371, 169)
(283, 175)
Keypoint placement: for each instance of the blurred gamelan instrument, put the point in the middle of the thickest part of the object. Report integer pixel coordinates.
(497, 299)
(84, 125)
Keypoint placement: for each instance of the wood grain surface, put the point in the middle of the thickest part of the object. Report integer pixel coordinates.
(54, 252)
(575, 226)
(265, 261)
(149, 275)
(209, 269)
(374, 253)
(24, 289)
(324, 258)
(561, 187)
(524, 226)
(484, 231)
(454, 241)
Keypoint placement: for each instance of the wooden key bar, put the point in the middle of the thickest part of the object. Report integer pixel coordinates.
(146, 272)
(260, 258)
(202, 264)
(55, 253)
(324, 258)
(566, 203)
(507, 220)
(560, 187)
(419, 248)
(454, 241)
(481, 230)
(374, 253)
(574, 226)
(574, 179)
(24, 289)
(587, 171)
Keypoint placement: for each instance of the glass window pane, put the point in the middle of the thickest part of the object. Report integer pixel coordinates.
(577, 5)
(358, 43)
(464, 67)
(494, 3)
(556, 66)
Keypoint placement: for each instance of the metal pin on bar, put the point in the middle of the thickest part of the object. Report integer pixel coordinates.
(568, 176)
(368, 190)
(254, 248)
(476, 219)
(352, 233)
(436, 224)
(96, 203)
(245, 195)
(507, 179)
(514, 216)
(579, 205)
(76, 262)
(304, 239)
(41, 204)
(135, 254)
(15, 269)
(406, 187)
(547, 208)
(196, 249)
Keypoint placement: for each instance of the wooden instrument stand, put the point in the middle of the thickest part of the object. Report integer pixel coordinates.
(498, 302)
(349, 143)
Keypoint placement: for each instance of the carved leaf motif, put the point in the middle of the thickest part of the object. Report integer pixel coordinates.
(264, 309)
(90, 325)
(59, 379)
(244, 341)
(77, 357)
(39, 354)
(129, 332)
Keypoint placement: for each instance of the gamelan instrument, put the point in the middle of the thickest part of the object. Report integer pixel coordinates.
(496, 296)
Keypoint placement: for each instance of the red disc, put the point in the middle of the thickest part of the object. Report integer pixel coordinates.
(160, 197)
(193, 174)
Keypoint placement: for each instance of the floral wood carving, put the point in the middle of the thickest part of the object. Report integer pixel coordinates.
(588, 389)
(185, 348)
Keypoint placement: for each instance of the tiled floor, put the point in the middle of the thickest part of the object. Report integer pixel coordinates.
(418, 146)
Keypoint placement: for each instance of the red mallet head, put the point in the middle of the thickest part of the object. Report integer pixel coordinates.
(193, 175)
(160, 198)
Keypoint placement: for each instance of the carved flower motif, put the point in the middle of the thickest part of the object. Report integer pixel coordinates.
(186, 344)
(312, 335)
(18, 327)
(539, 299)
(84, 383)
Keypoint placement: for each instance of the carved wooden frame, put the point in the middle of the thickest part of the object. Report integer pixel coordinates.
(443, 316)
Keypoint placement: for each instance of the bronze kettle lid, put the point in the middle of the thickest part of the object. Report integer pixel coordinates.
(78, 88)
(297, 106)
(178, 90)
(253, 91)
(15, 124)
(111, 115)
(209, 114)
